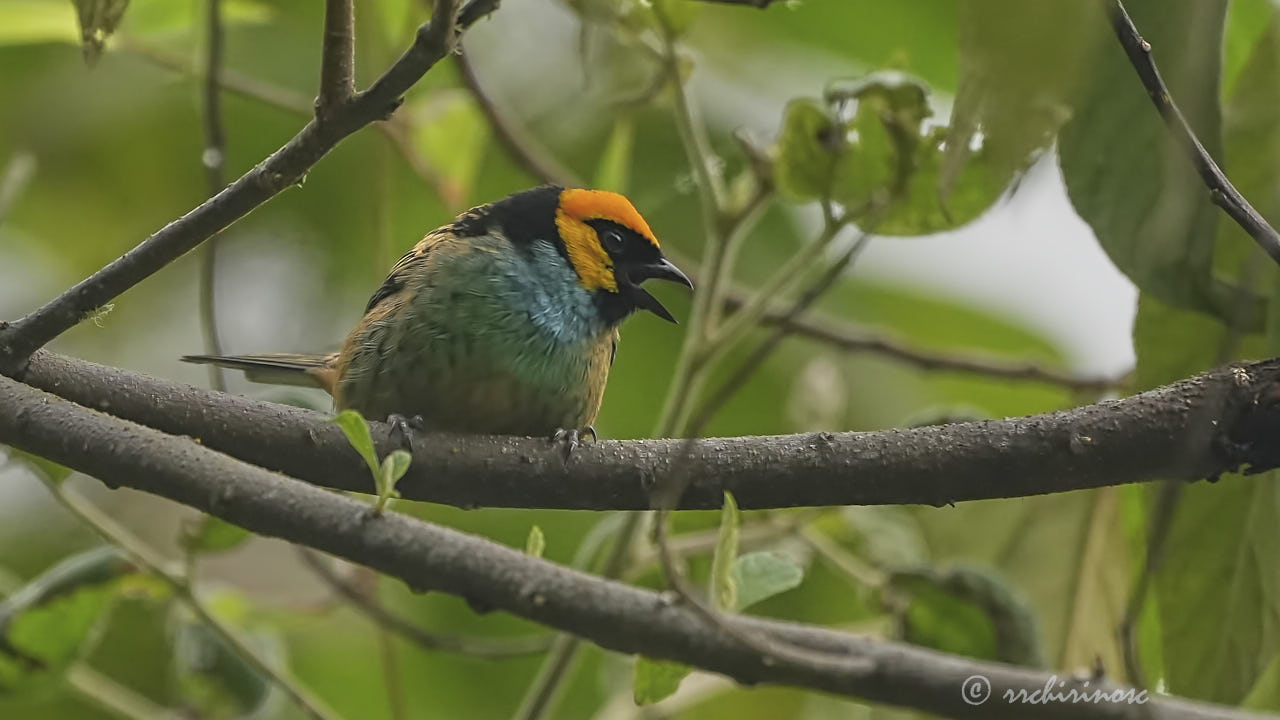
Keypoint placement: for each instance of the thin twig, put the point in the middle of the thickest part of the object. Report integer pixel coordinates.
(1223, 193)
(739, 377)
(213, 158)
(114, 697)
(113, 533)
(758, 4)
(523, 148)
(855, 340)
(337, 60)
(489, 649)
(283, 169)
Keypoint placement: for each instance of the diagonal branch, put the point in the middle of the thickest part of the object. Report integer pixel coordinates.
(850, 339)
(524, 150)
(282, 169)
(611, 614)
(1224, 194)
(1196, 428)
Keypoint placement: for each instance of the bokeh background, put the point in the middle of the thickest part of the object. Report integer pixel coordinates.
(98, 157)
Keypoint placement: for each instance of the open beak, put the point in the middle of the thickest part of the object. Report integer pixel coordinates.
(661, 270)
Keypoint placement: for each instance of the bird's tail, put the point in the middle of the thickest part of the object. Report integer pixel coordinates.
(278, 368)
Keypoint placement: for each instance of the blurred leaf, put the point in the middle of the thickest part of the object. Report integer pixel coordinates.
(1125, 174)
(394, 466)
(1251, 124)
(1018, 65)
(724, 591)
(536, 543)
(889, 536)
(356, 429)
(759, 576)
(1223, 545)
(1265, 694)
(882, 157)
(36, 21)
(397, 16)
(678, 14)
(615, 162)
(44, 624)
(98, 19)
(968, 611)
(1248, 21)
(153, 20)
(211, 675)
(451, 133)
(53, 471)
(657, 679)
(212, 534)
(1102, 577)
(807, 150)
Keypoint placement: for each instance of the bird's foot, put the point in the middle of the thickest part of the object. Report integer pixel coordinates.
(566, 440)
(404, 428)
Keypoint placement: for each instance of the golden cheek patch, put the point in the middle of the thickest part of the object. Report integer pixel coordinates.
(593, 264)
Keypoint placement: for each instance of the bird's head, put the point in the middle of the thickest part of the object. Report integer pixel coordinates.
(613, 251)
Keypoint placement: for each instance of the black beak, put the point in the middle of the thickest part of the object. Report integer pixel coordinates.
(663, 269)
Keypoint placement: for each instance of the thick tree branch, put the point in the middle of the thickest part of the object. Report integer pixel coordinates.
(428, 557)
(284, 168)
(1224, 194)
(1197, 428)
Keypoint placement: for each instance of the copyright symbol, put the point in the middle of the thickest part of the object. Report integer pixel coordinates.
(975, 689)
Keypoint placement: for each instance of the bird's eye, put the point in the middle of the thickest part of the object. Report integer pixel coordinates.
(612, 240)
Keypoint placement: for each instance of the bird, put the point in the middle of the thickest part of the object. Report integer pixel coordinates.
(503, 322)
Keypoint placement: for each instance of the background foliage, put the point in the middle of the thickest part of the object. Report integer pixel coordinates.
(99, 158)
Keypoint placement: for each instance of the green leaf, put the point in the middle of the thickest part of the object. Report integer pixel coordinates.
(1222, 548)
(968, 611)
(449, 130)
(1124, 173)
(615, 162)
(394, 466)
(1019, 66)
(807, 149)
(44, 624)
(724, 591)
(1265, 694)
(213, 676)
(98, 19)
(657, 679)
(1101, 575)
(761, 575)
(212, 534)
(536, 543)
(36, 21)
(356, 429)
(881, 161)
